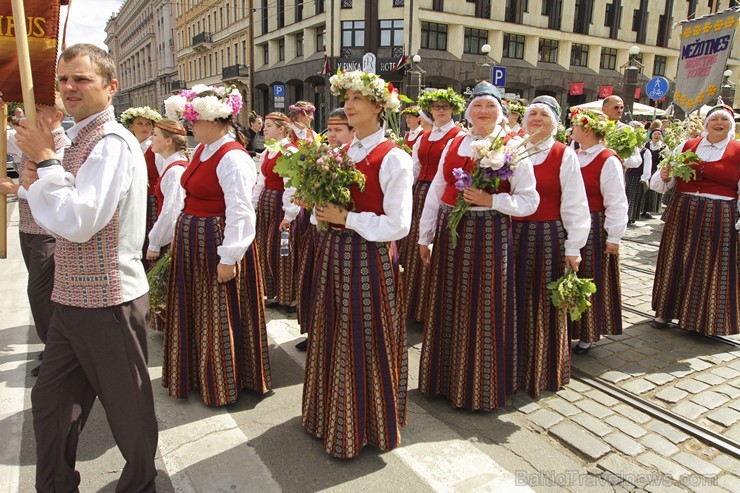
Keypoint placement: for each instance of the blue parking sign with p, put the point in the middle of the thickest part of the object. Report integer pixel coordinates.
(278, 90)
(498, 76)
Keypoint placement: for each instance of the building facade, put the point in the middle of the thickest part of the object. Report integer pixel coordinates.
(141, 39)
(213, 43)
(575, 51)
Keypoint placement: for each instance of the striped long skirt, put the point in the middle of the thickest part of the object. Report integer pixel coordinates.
(651, 202)
(216, 338)
(415, 274)
(279, 274)
(604, 316)
(635, 194)
(151, 218)
(357, 363)
(470, 328)
(697, 274)
(543, 350)
(306, 261)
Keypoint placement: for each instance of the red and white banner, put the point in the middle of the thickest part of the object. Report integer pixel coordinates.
(576, 88)
(605, 91)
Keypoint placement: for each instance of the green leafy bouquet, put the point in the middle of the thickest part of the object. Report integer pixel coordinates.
(570, 293)
(157, 276)
(624, 140)
(680, 164)
(562, 134)
(320, 174)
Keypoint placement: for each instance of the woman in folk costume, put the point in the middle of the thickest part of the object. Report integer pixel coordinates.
(470, 325)
(301, 119)
(515, 118)
(170, 143)
(356, 368)
(651, 199)
(140, 121)
(339, 132)
(413, 121)
(276, 213)
(216, 338)
(547, 243)
(603, 176)
(698, 269)
(427, 150)
(636, 181)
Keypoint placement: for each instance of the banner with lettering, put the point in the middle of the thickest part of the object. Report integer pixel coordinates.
(42, 23)
(705, 46)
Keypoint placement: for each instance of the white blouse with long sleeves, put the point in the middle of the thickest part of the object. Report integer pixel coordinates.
(236, 176)
(706, 152)
(436, 133)
(573, 202)
(522, 201)
(290, 209)
(612, 190)
(647, 166)
(396, 182)
(163, 229)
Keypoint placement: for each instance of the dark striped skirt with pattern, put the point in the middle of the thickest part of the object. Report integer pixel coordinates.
(357, 364)
(604, 316)
(306, 261)
(697, 274)
(279, 274)
(470, 328)
(635, 194)
(651, 202)
(216, 338)
(415, 274)
(543, 348)
(151, 218)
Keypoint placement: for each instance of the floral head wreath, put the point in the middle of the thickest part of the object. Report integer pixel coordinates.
(590, 120)
(128, 116)
(449, 96)
(203, 102)
(369, 85)
(302, 108)
(411, 110)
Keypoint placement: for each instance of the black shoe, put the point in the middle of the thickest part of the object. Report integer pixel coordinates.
(35, 371)
(289, 310)
(271, 304)
(659, 325)
(582, 350)
(647, 215)
(41, 355)
(302, 346)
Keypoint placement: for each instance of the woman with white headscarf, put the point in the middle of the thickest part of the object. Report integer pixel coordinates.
(547, 243)
(698, 269)
(467, 351)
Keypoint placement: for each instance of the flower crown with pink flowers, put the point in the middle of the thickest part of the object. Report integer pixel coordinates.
(203, 102)
(369, 85)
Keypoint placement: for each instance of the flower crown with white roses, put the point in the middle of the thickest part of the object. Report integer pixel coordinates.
(128, 116)
(369, 85)
(449, 96)
(587, 119)
(204, 102)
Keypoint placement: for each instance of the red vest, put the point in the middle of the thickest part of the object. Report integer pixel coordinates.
(295, 140)
(204, 196)
(410, 143)
(454, 160)
(158, 188)
(430, 152)
(592, 180)
(547, 174)
(370, 199)
(151, 171)
(273, 181)
(714, 177)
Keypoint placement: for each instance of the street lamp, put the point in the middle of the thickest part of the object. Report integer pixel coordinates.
(632, 69)
(416, 77)
(486, 63)
(728, 89)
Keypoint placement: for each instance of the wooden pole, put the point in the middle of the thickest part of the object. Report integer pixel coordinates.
(3, 175)
(24, 61)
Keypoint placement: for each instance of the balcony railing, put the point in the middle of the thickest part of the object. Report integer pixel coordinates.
(176, 85)
(202, 38)
(235, 72)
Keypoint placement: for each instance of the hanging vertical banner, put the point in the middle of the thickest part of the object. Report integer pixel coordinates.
(42, 24)
(705, 46)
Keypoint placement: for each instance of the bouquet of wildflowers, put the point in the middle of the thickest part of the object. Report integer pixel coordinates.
(680, 164)
(562, 134)
(495, 160)
(157, 277)
(320, 174)
(393, 129)
(571, 293)
(624, 140)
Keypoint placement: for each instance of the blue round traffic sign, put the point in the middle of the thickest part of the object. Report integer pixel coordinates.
(657, 87)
